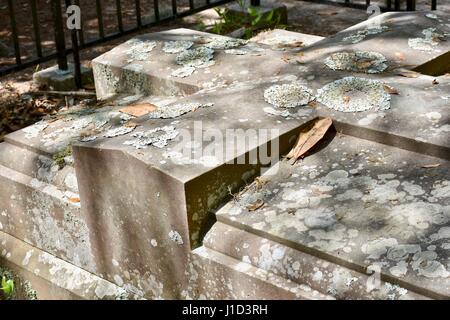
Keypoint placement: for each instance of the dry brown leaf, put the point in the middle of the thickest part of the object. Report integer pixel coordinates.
(390, 90)
(295, 44)
(434, 165)
(256, 205)
(138, 110)
(310, 138)
(74, 200)
(346, 99)
(400, 55)
(290, 59)
(130, 124)
(407, 73)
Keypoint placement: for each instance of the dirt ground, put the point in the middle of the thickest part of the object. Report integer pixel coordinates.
(18, 109)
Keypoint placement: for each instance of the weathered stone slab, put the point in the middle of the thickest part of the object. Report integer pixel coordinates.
(359, 204)
(280, 39)
(399, 36)
(148, 64)
(158, 198)
(302, 268)
(53, 278)
(227, 278)
(44, 216)
(146, 203)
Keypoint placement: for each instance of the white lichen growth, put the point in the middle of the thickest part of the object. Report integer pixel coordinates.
(288, 95)
(34, 130)
(362, 34)
(175, 237)
(358, 61)
(177, 46)
(183, 72)
(176, 110)
(430, 39)
(157, 137)
(140, 50)
(431, 16)
(352, 94)
(119, 131)
(198, 57)
(223, 43)
(251, 49)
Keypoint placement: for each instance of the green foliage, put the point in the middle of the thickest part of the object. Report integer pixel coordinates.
(255, 20)
(58, 158)
(7, 288)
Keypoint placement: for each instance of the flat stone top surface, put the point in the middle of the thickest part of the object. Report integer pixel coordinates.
(250, 86)
(280, 39)
(400, 41)
(406, 38)
(359, 203)
(235, 110)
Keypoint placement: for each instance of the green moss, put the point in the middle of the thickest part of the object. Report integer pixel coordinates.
(22, 288)
(58, 158)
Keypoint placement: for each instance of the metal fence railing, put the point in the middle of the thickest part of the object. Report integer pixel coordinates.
(66, 42)
(48, 18)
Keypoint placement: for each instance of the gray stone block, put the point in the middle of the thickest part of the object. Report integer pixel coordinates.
(61, 80)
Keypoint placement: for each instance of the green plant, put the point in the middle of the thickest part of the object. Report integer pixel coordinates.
(7, 288)
(255, 20)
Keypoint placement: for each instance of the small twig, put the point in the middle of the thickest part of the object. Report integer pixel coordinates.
(88, 94)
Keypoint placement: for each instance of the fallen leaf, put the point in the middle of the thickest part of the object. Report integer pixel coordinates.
(291, 211)
(390, 90)
(138, 110)
(130, 124)
(434, 165)
(346, 99)
(400, 55)
(309, 139)
(407, 73)
(256, 205)
(74, 200)
(316, 192)
(290, 59)
(435, 81)
(295, 44)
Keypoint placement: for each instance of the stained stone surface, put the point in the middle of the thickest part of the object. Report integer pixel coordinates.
(54, 278)
(360, 204)
(280, 39)
(309, 272)
(138, 204)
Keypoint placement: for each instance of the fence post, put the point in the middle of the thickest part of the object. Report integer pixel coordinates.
(75, 52)
(59, 35)
(411, 5)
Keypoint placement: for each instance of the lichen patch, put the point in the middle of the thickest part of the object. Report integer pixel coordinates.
(362, 34)
(198, 57)
(352, 94)
(183, 72)
(177, 46)
(288, 95)
(157, 137)
(223, 43)
(430, 39)
(359, 61)
(140, 50)
(176, 110)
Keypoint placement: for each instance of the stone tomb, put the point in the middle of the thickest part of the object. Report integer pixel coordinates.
(125, 213)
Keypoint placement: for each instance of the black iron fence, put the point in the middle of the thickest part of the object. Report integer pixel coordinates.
(66, 42)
